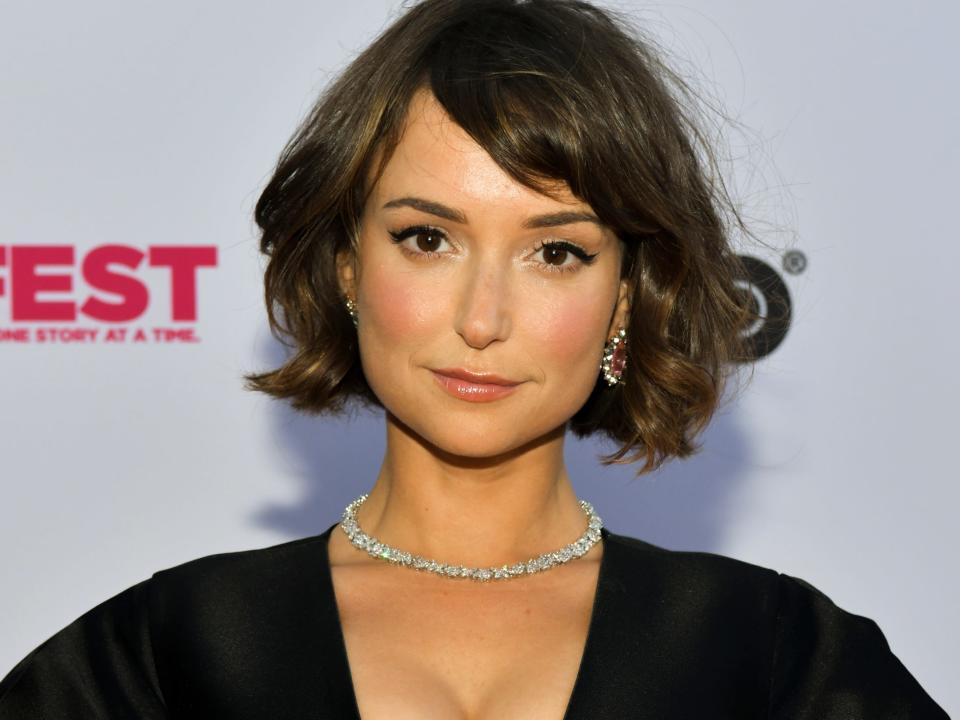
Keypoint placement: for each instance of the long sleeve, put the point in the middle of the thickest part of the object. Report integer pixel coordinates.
(100, 666)
(829, 664)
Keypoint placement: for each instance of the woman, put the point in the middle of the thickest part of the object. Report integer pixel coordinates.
(497, 224)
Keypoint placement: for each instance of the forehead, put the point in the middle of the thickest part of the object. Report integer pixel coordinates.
(438, 158)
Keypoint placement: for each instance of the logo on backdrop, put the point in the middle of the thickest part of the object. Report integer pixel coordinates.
(769, 298)
(118, 293)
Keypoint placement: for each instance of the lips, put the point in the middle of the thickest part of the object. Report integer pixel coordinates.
(468, 386)
(477, 378)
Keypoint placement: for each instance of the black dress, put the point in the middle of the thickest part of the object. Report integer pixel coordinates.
(256, 634)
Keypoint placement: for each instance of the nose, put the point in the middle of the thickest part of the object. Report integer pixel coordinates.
(483, 305)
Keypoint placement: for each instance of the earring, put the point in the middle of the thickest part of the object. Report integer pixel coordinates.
(615, 359)
(352, 309)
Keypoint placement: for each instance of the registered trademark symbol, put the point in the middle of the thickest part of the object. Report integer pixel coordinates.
(794, 262)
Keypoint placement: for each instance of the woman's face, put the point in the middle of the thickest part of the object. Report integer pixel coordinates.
(452, 273)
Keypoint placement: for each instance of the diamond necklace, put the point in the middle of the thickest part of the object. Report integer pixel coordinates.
(377, 549)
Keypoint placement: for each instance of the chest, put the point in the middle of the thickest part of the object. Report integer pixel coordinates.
(423, 647)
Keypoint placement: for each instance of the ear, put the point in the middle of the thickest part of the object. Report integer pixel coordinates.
(346, 274)
(622, 311)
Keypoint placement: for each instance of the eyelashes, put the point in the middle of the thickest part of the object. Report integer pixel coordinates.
(400, 235)
(553, 246)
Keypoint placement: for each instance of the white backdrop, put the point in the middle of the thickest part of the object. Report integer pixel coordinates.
(154, 125)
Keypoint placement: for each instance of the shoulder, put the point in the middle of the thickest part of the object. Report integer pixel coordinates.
(640, 551)
(709, 572)
(727, 583)
(262, 613)
(764, 596)
(187, 636)
(244, 577)
(67, 676)
(218, 566)
(819, 660)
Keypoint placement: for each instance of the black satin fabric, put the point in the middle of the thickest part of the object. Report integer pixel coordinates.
(256, 634)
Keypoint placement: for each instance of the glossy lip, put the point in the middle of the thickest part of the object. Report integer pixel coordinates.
(472, 377)
(464, 388)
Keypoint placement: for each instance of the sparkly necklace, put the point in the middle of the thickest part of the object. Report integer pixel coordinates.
(377, 549)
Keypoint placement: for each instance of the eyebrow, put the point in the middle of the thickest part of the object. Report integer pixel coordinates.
(564, 217)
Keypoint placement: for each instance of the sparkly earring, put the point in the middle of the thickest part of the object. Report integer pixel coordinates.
(352, 309)
(615, 359)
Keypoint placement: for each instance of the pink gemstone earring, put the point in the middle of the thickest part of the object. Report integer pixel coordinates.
(615, 359)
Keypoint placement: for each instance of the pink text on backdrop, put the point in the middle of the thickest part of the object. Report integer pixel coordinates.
(22, 263)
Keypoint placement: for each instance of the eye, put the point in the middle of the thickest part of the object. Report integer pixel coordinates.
(425, 238)
(557, 253)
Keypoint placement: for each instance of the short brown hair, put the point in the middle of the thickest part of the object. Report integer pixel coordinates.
(552, 90)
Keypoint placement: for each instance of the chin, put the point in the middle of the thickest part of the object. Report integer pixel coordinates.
(484, 446)
(475, 437)
(472, 437)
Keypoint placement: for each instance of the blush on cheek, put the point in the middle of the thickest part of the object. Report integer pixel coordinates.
(572, 334)
(393, 301)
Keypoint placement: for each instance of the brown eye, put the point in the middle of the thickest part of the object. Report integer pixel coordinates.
(428, 241)
(554, 255)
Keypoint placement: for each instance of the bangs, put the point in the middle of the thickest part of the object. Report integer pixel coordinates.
(509, 81)
(554, 99)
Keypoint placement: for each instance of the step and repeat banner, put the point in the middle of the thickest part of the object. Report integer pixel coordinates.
(136, 139)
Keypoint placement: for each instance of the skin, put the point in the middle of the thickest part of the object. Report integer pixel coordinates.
(479, 484)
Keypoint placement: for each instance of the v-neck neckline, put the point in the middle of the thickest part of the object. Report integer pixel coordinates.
(341, 660)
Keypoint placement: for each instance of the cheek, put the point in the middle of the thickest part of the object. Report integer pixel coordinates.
(398, 311)
(393, 307)
(570, 335)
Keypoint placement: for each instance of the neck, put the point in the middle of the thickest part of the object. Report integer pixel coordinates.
(472, 511)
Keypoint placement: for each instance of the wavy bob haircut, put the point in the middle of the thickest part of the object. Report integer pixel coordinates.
(553, 90)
